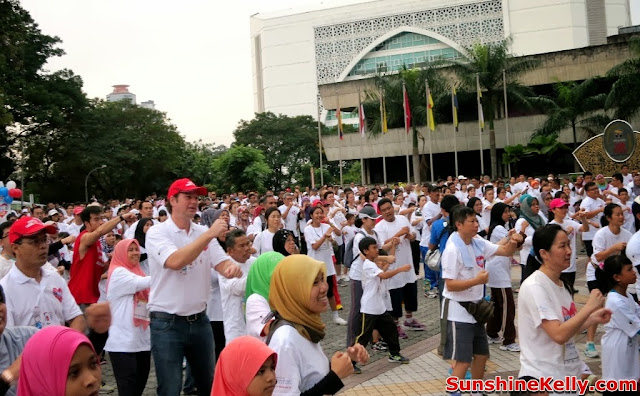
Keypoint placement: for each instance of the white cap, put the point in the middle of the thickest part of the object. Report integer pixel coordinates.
(461, 177)
(52, 212)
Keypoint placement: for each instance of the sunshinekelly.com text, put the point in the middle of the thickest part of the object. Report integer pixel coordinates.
(546, 384)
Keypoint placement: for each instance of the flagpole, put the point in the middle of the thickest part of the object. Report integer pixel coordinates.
(479, 124)
(384, 158)
(320, 140)
(429, 131)
(340, 136)
(455, 127)
(506, 114)
(361, 127)
(407, 128)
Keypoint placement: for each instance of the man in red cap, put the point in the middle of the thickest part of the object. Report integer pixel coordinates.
(37, 297)
(181, 256)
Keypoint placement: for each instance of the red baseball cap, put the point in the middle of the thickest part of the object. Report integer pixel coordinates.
(28, 226)
(558, 203)
(185, 185)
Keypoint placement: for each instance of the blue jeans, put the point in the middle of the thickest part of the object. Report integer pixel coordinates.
(174, 337)
(429, 274)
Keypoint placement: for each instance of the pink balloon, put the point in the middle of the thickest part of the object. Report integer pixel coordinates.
(15, 193)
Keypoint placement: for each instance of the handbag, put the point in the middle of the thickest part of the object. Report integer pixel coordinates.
(481, 311)
(433, 259)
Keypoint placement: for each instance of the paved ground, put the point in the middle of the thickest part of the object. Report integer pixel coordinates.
(426, 373)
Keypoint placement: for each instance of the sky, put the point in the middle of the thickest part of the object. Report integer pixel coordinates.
(192, 57)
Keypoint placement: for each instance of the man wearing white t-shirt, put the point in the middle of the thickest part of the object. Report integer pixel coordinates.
(146, 210)
(402, 287)
(430, 213)
(626, 176)
(290, 211)
(181, 255)
(593, 207)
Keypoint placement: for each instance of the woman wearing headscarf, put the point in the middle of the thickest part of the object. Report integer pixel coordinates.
(284, 243)
(140, 235)
(242, 221)
(298, 294)
(247, 367)
(129, 344)
(59, 361)
(257, 294)
(527, 224)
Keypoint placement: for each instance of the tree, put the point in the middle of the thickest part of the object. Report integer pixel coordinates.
(488, 61)
(241, 168)
(287, 143)
(573, 107)
(621, 97)
(542, 148)
(197, 161)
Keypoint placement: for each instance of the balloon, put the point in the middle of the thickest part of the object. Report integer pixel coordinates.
(11, 185)
(15, 193)
(1, 184)
(8, 200)
(4, 191)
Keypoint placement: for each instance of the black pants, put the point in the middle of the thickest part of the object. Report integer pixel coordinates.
(503, 315)
(415, 255)
(385, 325)
(131, 370)
(408, 294)
(98, 340)
(588, 246)
(218, 337)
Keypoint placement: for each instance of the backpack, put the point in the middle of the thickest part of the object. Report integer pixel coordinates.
(348, 251)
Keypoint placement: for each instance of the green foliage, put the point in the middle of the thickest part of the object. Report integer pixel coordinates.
(544, 146)
(241, 168)
(352, 174)
(623, 97)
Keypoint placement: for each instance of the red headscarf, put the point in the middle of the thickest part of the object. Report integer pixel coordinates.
(120, 260)
(45, 361)
(239, 362)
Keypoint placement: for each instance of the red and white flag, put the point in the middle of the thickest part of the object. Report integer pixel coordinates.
(407, 109)
(362, 125)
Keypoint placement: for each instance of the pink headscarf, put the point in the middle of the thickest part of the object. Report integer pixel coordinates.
(120, 260)
(45, 361)
(239, 362)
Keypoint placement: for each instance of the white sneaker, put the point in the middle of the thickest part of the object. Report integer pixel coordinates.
(339, 321)
(497, 340)
(511, 347)
(346, 278)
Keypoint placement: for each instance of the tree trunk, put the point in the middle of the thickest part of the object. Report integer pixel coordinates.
(415, 157)
(576, 166)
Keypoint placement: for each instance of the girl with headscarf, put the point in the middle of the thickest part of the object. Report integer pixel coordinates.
(257, 294)
(529, 221)
(298, 294)
(284, 243)
(475, 203)
(242, 221)
(129, 344)
(247, 367)
(59, 361)
(140, 235)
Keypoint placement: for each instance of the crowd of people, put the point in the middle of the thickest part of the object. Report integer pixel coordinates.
(225, 294)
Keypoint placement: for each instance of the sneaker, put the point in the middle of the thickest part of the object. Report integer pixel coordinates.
(357, 369)
(510, 348)
(380, 346)
(401, 333)
(591, 351)
(414, 325)
(346, 278)
(339, 321)
(497, 340)
(398, 359)
(342, 282)
(431, 294)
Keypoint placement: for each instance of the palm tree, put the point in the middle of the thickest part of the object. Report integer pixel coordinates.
(488, 61)
(622, 95)
(390, 86)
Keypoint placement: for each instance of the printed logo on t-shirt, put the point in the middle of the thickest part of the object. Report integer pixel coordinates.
(57, 293)
(480, 261)
(569, 313)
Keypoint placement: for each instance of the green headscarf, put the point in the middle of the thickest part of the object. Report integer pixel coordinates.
(259, 277)
(526, 213)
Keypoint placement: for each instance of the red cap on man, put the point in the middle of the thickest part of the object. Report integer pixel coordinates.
(29, 226)
(185, 186)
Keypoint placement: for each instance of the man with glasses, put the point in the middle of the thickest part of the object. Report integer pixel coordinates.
(39, 297)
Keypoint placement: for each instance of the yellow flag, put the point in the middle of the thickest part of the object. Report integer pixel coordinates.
(383, 114)
(432, 124)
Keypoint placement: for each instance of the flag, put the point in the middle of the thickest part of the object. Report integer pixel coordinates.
(432, 124)
(407, 109)
(383, 114)
(480, 112)
(339, 117)
(362, 125)
(454, 107)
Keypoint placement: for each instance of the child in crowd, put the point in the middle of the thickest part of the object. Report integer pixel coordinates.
(376, 301)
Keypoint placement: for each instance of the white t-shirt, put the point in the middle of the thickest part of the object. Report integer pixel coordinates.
(486, 212)
(291, 221)
(130, 233)
(336, 214)
(528, 241)
(186, 291)
(629, 222)
(633, 253)
(124, 336)
(263, 242)
(325, 252)
(29, 303)
(257, 308)
(542, 299)
(74, 229)
(430, 211)
(453, 268)
(403, 255)
(355, 272)
(214, 305)
(301, 363)
(5, 266)
(589, 205)
(627, 179)
(232, 295)
(499, 267)
(375, 296)
(620, 356)
(566, 223)
(603, 240)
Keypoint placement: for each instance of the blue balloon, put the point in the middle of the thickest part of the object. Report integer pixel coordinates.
(4, 191)
(8, 200)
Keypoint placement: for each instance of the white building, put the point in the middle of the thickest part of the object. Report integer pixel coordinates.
(121, 92)
(295, 52)
(149, 104)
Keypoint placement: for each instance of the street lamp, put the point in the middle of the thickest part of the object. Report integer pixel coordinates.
(86, 180)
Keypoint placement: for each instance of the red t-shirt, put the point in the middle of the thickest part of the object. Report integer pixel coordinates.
(86, 272)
